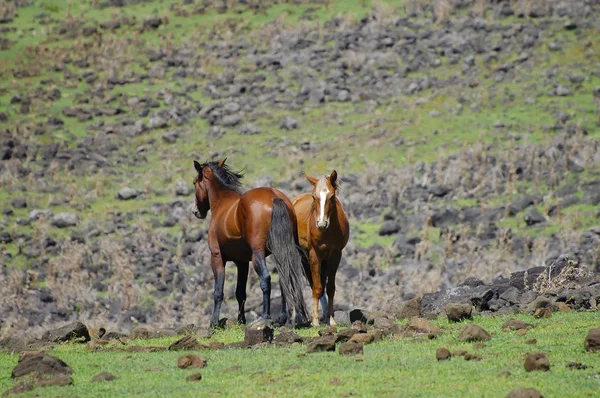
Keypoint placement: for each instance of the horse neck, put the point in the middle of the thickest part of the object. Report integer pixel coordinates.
(216, 195)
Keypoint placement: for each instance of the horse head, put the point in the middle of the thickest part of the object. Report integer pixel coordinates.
(201, 202)
(323, 195)
(212, 176)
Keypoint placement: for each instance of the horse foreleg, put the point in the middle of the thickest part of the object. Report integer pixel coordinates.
(218, 267)
(240, 290)
(332, 267)
(317, 286)
(260, 266)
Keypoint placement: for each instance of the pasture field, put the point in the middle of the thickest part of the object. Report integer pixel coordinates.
(393, 367)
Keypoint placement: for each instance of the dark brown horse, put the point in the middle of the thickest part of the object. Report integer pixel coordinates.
(323, 231)
(248, 227)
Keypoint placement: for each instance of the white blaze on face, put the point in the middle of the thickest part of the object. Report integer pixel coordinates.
(322, 191)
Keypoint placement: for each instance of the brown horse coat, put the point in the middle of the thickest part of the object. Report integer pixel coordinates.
(323, 231)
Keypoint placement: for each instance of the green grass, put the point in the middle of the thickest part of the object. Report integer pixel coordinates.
(394, 367)
(366, 234)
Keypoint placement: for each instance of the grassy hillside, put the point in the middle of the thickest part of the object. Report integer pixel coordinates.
(466, 134)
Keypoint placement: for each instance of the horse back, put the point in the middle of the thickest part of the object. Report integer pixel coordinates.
(254, 213)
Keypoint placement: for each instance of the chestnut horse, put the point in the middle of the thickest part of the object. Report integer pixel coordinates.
(248, 227)
(323, 231)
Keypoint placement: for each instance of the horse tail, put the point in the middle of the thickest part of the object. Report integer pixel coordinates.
(282, 244)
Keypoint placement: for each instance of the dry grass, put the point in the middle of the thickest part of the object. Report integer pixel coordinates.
(442, 9)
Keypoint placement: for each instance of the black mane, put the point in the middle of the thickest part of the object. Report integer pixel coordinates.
(225, 177)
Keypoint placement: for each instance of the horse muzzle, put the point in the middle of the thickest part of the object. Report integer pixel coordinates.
(198, 214)
(322, 225)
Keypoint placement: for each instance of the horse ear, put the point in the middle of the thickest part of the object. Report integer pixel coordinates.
(198, 167)
(310, 179)
(221, 163)
(333, 178)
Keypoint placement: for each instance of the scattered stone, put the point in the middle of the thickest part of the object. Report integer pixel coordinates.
(459, 353)
(73, 331)
(442, 354)
(531, 341)
(516, 324)
(191, 362)
(288, 124)
(389, 227)
(478, 346)
(420, 325)
(248, 129)
(287, 338)
(330, 330)
(19, 203)
(408, 309)
(104, 376)
(63, 220)
(537, 361)
(534, 217)
(194, 377)
(231, 120)
(351, 348)
(471, 333)
(152, 23)
(58, 380)
(127, 193)
(358, 315)
(539, 302)
(362, 338)
(140, 333)
(259, 331)
(19, 389)
(40, 363)
(345, 335)
(542, 313)
(157, 122)
(592, 340)
(456, 312)
(325, 343)
(576, 366)
(183, 189)
(563, 91)
(187, 343)
(562, 307)
(342, 318)
(524, 393)
(473, 357)
(384, 324)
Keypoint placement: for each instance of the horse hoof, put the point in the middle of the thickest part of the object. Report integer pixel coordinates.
(315, 323)
(331, 322)
(282, 320)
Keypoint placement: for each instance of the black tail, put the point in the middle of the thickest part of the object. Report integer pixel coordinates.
(282, 245)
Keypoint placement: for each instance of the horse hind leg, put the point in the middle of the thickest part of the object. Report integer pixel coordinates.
(240, 291)
(323, 304)
(218, 267)
(260, 266)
